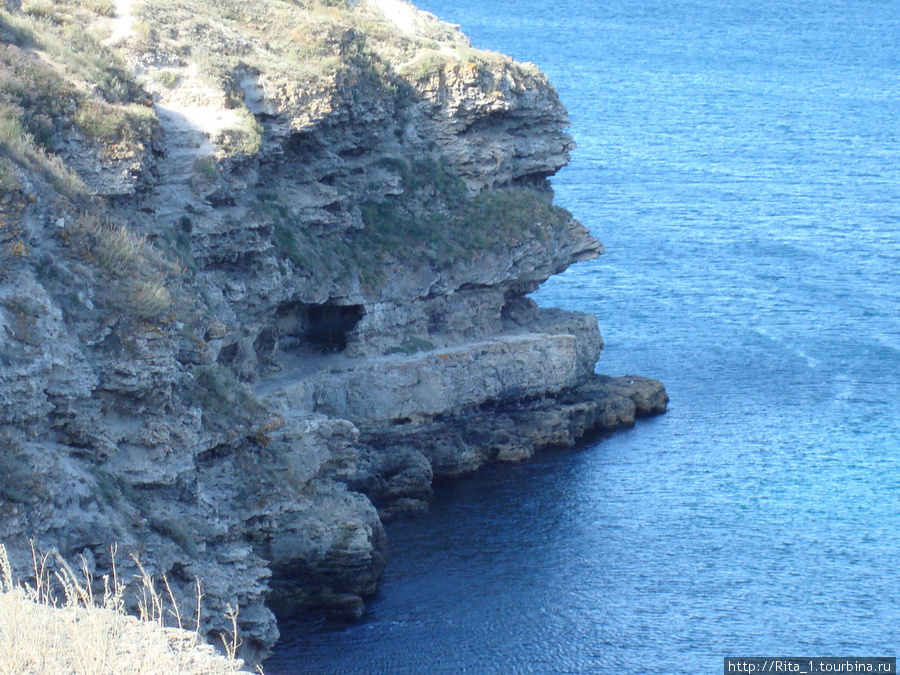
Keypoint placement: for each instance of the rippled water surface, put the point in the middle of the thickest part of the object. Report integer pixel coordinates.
(741, 162)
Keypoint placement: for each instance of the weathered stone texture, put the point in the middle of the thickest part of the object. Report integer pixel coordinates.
(232, 364)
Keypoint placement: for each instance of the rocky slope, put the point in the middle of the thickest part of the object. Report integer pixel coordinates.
(264, 271)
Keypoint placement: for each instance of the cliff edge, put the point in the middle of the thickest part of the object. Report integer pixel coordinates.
(264, 273)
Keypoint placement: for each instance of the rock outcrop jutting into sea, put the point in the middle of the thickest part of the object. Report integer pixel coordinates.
(264, 273)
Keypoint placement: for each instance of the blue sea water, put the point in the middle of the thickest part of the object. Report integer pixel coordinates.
(740, 159)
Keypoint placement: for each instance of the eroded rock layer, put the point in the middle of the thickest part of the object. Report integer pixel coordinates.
(264, 274)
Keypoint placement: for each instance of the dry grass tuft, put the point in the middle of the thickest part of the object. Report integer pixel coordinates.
(118, 249)
(84, 635)
(151, 300)
(18, 145)
(137, 269)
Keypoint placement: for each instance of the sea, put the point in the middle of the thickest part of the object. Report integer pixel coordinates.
(740, 160)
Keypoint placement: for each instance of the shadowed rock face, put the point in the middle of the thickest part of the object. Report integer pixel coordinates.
(298, 294)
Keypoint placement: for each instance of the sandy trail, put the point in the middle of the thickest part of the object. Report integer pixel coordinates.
(121, 22)
(192, 114)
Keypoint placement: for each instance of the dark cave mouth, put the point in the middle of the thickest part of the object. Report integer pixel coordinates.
(320, 328)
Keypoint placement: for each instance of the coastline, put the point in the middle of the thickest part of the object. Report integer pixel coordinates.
(257, 299)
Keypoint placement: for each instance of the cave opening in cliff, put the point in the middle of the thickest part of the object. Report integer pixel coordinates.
(318, 328)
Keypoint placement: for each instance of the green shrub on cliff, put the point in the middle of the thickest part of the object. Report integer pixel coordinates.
(19, 146)
(31, 93)
(506, 217)
(411, 345)
(244, 139)
(32, 102)
(432, 222)
(293, 241)
(429, 62)
(433, 217)
(131, 123)
(7, 176)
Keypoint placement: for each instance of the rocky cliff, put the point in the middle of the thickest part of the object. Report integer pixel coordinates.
(264, 273)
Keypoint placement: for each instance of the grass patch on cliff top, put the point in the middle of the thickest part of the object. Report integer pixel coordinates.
(79, 81)
(302, 43)
(130, 123)
(65, 32)
(303, 47)
(78, 84)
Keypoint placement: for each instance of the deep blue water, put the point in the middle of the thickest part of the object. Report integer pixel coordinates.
(741, 161)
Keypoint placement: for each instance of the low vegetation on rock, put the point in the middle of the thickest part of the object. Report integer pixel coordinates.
(80, 634)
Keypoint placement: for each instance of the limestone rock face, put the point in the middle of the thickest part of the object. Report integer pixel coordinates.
(512, 430)
(396, 387)
(260, 285)
(497, 134)
(333, 541)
